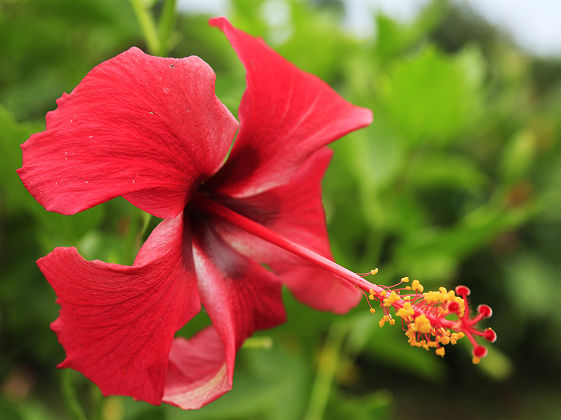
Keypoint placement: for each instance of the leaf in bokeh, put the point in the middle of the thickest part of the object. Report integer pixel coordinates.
(518, 156)
(446, 170)
(273, 386)
(430, 97)
(496, 364)
(373, 406)
(314, 34)
(387, 346)
(394, 38)
(12, 193)
(433, 253)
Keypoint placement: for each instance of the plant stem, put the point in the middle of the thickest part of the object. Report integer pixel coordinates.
(327, 368)
(70, 397)
(148, 27)
(167, 23)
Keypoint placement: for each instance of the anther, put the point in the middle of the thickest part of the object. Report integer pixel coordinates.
(422, 324)
(416, 285)
(391, 299)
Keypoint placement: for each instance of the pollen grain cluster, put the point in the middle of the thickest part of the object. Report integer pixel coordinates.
(431, 319)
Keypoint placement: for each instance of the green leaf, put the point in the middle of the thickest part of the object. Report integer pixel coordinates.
(373, 406)
(388, 346)
(57, 229)
(518, 156)
(394, 38)
(532, 284)
(496, 364)
(433, 253)
(269, 385)
(446, 170)
(315, 33)
(13, 194)
(432, 98)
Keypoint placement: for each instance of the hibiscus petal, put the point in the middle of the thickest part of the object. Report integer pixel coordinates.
(148, 128)
(197, 372)
(285, 115)
(295, 211)
(117, 322)
(240, 297)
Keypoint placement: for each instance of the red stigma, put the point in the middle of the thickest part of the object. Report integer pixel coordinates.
(485, 311)
(454, 307)
(480, 351)
(463, 290)
(490, 335)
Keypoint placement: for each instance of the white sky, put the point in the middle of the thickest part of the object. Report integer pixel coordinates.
(534, 24)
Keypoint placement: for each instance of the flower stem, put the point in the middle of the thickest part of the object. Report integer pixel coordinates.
(327, 368)
(167, 23)
(148, 27)
(262, 232)
(70, 397)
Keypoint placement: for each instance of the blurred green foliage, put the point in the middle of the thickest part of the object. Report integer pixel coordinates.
(458, 180)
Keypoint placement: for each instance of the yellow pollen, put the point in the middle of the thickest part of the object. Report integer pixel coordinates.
(416, 307)
(391, 299)
(455, 337)
(475, 360)
(431, 297)
(444, 339)
(422, 324)
(385, 319)
(435, 297)
(406, 312)
(416, 285)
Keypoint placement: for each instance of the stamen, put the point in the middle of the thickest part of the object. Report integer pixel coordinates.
(425, 316)
(370, 273)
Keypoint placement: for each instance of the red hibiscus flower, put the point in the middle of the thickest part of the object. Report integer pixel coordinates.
(152, 130)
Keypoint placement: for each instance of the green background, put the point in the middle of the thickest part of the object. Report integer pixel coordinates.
(457, 181)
